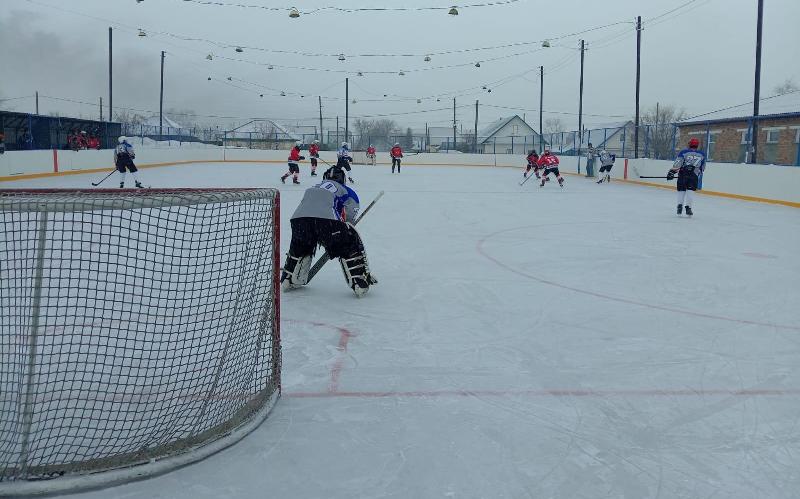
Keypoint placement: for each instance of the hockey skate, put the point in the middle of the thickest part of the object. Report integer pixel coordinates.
(122, 185)
(283, 179)
(689, 212)
(295, 273)
(313, 174)
(601, 180)
(295, 181)
(561, 182)
(680, 209)
(139, 185)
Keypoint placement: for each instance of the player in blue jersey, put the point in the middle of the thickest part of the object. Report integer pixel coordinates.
(123, 160)
(689, 165)
(325, 218)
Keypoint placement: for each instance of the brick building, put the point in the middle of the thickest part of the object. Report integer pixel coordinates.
(725, 135)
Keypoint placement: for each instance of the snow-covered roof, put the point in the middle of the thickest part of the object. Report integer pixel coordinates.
(262, 127)
(784, 104)
(155, 121)
(495, 126)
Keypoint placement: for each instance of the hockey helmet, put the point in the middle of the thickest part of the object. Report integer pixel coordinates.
(345, 145)
(316, 142)
(397, 144)
(694, 143)
(122, 139)
(336, 174)
(298, 143)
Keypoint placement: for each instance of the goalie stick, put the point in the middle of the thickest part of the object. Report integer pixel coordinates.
(326, 258)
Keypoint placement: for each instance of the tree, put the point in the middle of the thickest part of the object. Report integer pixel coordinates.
(788, 86)
(128, 117)
(375, 132)
(553, 125)
(660, 130)
(409, 139)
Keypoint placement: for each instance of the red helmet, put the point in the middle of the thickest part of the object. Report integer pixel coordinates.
(694, 143)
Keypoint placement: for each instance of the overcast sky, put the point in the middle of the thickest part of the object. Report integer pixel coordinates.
(700, 58)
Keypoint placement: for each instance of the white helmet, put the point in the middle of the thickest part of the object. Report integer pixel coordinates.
(316, 141)
(345, 145)
(298, 143)
(397, 144)
(122, 139)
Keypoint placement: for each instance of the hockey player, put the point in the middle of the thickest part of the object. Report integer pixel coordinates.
(123, 159)
(294, 168)
(549, 162)
(396, 154)
(313, 152)
(606, 163)
(689, 164)
(371, 154)
(533, 163)
(325, 217)
(343, 160)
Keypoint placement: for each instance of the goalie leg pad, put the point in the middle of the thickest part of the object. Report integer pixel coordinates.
(295, 271)
(356, 273)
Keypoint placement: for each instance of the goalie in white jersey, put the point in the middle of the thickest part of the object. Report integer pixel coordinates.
(324, 218)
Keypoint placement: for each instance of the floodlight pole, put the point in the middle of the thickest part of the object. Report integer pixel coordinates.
(638, 84)
(161, 102)
(110, 75)
(757, 92)
(541, 107)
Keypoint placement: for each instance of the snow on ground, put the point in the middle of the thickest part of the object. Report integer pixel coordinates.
(525, 343)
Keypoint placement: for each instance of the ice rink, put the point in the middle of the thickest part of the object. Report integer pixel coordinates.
(524, 343)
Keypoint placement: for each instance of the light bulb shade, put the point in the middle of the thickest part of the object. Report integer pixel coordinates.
(427, 58)
(477, 64)
(142, 33)
(402, 73)
(239, 49)
(453, 11)
(283, 94)
(546, 44)
(341, 57)
(360, 73)
(269, 67)
(294, 13)
(210, 57)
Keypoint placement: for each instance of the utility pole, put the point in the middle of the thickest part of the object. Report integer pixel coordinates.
(757, 94)
(320, 121)
(346, 108)
(655, 136)
(161, 101)
(454, 123)
(110, 74)
(580, 107)
(101, 109)
(638, 84)
(541, 107)
(475, 139)
(37, 102)
(337, 132)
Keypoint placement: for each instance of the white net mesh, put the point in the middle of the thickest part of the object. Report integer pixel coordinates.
(136, 325)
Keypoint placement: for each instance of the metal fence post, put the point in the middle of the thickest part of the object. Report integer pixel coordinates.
(624, 138)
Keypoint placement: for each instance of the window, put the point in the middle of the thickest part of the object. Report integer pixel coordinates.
(746, 136)
(797, 136)
(773, 136)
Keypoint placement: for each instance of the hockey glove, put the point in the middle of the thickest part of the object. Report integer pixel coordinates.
(302, 157)
(670, 174)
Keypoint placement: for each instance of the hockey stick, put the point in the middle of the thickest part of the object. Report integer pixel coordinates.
(658, 177)
(104, 178)
(326, 257)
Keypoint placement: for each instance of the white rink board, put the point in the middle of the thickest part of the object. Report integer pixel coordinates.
(524, 342)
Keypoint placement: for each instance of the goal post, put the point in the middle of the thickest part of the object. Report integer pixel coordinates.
(362, 158)
(140, 330)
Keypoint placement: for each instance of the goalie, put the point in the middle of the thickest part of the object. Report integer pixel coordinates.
(325, 217)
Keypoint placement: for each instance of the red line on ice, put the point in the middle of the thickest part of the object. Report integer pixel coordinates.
(553, 393)
(344, 338)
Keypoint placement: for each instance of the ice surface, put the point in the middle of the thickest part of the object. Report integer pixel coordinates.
(524, 342)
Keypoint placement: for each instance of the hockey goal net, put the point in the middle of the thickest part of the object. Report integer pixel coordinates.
(139, 330)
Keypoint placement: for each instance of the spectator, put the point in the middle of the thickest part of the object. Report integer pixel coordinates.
(74, 140)
(590, 156)
(2, 142)
(83, 140)
(25, 140)
(93, 142)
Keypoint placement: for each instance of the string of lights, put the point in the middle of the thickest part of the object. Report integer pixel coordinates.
(345, 9)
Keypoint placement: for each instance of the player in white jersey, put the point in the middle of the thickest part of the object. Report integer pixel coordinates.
(689, 164)
(606, 163)
(123, 160)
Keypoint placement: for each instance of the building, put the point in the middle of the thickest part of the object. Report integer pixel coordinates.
(260, 134)
(725, 135)
(616, 138)
(511, 135)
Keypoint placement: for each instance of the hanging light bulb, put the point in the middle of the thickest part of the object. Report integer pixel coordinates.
(453, 11)
(210, 57)
(230, 78)
(477, 64)
(490, 90)
(261, 95)
(142, 33)
(239, 49)
(385, 95)
(209, 78)
(546, 44)
(419, 101)
(484, 87)
(341, 57)
(269, 66)
(354, 101)
(427, 58)
(438, 100)
(294, 13)
(283, 94)
(360, 73)
(402, 73)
